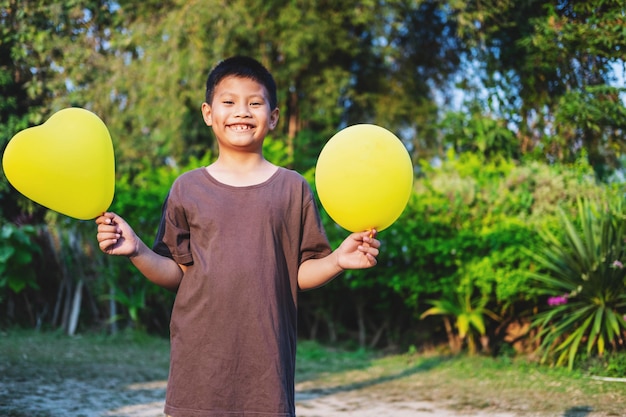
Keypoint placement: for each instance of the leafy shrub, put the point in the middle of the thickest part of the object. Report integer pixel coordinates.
(583, 277)
(469, 312)
(139, 200)
(17, 252)
(612, 365)
(470, 219)
(469, 223)
(466, 225)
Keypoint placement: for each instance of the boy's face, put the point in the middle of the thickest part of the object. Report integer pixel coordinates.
(240, 114)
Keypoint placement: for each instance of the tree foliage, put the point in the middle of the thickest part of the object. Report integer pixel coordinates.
(544, 72)
(503, 106)
(539, 57)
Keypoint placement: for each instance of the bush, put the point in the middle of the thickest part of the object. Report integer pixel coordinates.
(17, 252)
(583, 278)
(469, 223)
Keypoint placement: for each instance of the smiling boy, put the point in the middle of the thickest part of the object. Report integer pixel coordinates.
(237, 240)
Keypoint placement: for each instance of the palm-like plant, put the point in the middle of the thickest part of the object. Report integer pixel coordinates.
(585, 271)
(468, 312)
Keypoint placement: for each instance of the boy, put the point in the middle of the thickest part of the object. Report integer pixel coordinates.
(237, 240)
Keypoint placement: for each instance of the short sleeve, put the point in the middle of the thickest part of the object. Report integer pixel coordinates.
(314, 241)
(172, 238)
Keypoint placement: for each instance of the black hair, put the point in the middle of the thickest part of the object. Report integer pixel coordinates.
(245, 67)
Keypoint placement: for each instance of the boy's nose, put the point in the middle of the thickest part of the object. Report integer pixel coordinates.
(242, 111)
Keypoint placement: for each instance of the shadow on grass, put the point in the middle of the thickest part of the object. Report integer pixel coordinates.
(579, 411)
(424, 366)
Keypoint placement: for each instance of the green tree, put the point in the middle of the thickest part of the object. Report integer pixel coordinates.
(536, 77)
(548, 69)
(335, 64)
(48, 52)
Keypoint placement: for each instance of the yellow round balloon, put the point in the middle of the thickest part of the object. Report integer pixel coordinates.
(364, 178)
(66, 164)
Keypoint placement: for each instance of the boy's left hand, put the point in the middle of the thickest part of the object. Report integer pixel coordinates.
(358, 251)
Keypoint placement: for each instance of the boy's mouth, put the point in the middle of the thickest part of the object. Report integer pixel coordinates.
(240, 127)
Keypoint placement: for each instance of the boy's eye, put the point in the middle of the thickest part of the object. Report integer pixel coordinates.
(256, 104)
(227, 102)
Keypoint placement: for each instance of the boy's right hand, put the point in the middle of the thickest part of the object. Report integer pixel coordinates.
(115, 236)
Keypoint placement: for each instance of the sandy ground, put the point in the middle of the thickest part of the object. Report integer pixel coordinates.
(354, 404)
(72, 398)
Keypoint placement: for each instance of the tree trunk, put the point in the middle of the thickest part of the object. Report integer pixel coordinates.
(57, 305)
(330, 323)
(453, 340)
(361, 324)
(293, 123)
(75, 313)
(379, 333)
(112, 311)
(67, 304)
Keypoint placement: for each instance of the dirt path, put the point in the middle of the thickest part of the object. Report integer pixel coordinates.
(47, 375)
(73, 398)
(357, 405)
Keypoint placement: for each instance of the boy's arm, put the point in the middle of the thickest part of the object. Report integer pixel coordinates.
(357, 251)
(162, 271)
(116, 237)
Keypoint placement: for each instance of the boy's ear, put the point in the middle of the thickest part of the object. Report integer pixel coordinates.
(206, 114)
(274, 118)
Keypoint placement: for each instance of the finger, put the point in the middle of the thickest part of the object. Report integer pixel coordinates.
(372, 259)
(102, 220)
(369, 250)
(105, 218)
(107, 244)
(373, 251)
(109, 234)
(107, 239)
(371, 241)
(106, 228)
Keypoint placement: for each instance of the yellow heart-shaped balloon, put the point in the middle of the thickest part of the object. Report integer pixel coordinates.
(66, 164)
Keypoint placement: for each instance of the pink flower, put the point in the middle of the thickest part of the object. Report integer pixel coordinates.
(617, 264)
(557, 300)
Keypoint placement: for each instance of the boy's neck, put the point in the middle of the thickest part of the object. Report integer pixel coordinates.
(241, 172)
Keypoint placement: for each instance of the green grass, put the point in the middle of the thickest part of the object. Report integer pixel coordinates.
(29, 359)
(463, 383)
(82, 356)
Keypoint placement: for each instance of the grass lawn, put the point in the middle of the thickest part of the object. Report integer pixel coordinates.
(465, 383)
(41, 373)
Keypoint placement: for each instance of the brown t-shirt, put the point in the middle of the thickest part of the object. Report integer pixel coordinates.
(233, 327)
